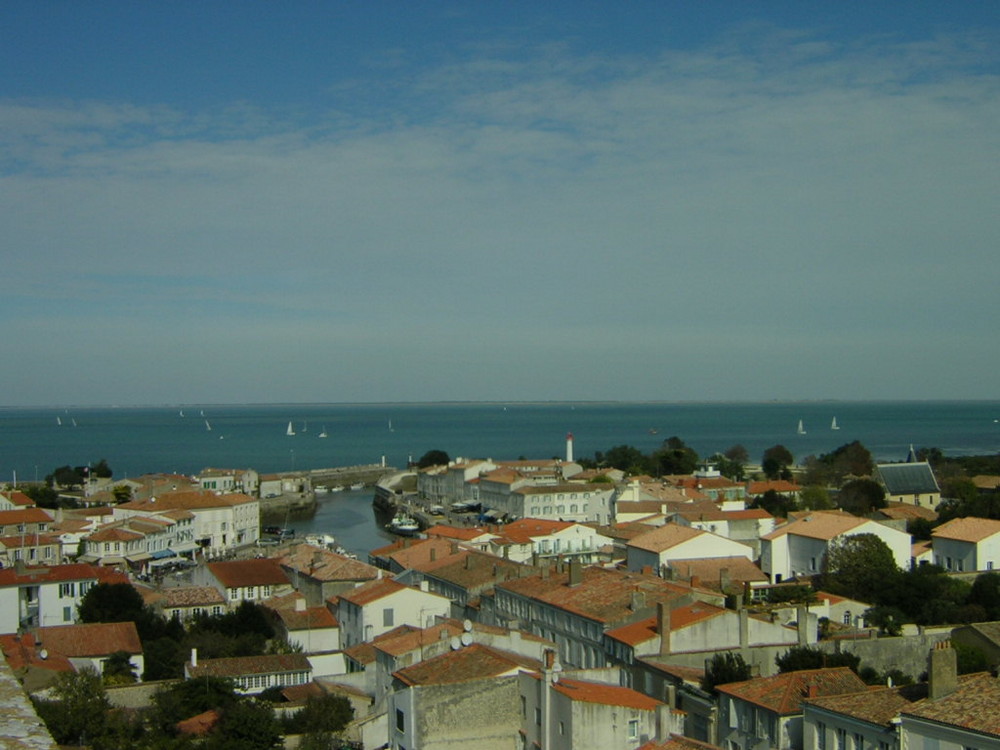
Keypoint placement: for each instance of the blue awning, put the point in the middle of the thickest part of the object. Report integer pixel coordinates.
(159, 555)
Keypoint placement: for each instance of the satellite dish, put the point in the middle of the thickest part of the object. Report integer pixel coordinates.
(467, 625)
(455, 644)
(43, 654)
(466, 639)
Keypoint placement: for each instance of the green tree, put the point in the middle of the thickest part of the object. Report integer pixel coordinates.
(775, 503)
(189, 698)
(433, 458)
(675, 457)
(815, 498)
(118, 669)
(247, 724)
(798, 658)
(962, 489)
(324, 713)
(66, 476)
(102, 470)
(888, 620)
(858, 567)
(861, 496)
(986, 593)
(626, 458)
(776, 462)
(111, 602)
(724, 668)
(852, 459)
(78, 713)
(163, 659)
(970, 659)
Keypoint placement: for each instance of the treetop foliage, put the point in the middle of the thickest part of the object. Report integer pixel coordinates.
(433, 458)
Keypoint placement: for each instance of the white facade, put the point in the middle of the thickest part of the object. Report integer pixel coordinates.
(562, 502)
(364, 619)
(700, 545)
(794, 551)
(43, 597)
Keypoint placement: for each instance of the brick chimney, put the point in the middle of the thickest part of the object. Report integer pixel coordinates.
(942, 671)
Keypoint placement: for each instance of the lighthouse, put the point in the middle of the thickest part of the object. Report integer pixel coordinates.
(569, 447)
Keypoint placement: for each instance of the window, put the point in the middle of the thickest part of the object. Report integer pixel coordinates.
(234, 594)
(67, 590)
(633, 729)
(524, 707)
(859, 741)
(841, 739)
(820, 736)
(847, 617)
(400, 720)
(67, 614)
(265, 591)
(562, 727)
(387, 617)
(538, 716)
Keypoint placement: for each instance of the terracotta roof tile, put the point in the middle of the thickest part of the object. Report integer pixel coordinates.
(605, 695)
(235, 666)
(373, 591)
(784, 693)
(90, 639)
(967, 529)
(472, 662)
(819, 525)
(665, 537)
(876, 706)
(972, 706)
(191, 596)
(324, 565)
(51, 574)
(239, 573)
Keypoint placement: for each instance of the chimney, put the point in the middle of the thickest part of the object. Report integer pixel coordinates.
(724, 579)
(575, 573)
(812, 691)
(468, 561)
(638, 601)
(424, 585)
(744, 625)
(300, 604)
(433, 554)
(802, 624)
(695, 582)
(194, 657)
(942, 671)
(663, 626)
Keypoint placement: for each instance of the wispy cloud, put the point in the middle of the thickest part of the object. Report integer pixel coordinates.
(772, 189)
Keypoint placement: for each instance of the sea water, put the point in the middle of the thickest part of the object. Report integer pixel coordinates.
(186, 439)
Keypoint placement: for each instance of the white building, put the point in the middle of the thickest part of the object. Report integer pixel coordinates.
(527, 537)
(656, 548)
(967, 544)
(221, 522)
(797, 548)
(377, 607)
(32, 597)
(564, 713)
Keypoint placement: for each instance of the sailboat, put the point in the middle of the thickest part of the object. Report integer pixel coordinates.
(290, 431)
(305, 427)
(73, 421)
(390, 426)
(801, 430)
(181, 413)
(323, 433)
(834, 425)
(208, 426)
(59, 421)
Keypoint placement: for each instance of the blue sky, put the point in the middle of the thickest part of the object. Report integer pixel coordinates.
(273, 202)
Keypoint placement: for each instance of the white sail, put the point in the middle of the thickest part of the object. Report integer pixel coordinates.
(323, 433)
(290, 431)
(834, 425)
(208, 426)
(59, 421)
(801, 430)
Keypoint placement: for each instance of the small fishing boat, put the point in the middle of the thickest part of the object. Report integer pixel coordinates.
(404, 524)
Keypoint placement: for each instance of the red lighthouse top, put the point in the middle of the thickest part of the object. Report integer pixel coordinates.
(569, 435)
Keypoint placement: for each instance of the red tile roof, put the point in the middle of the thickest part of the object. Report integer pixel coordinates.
(665, 537)
(526, 529)
(967, 529)
(680, 617)
(24, 515)
(53, 574)
(373, 591)
(606, 695)
(784, 693)
(972, 706)
(239, 573)
(90, 639)
(473, 662)
(236, 666)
